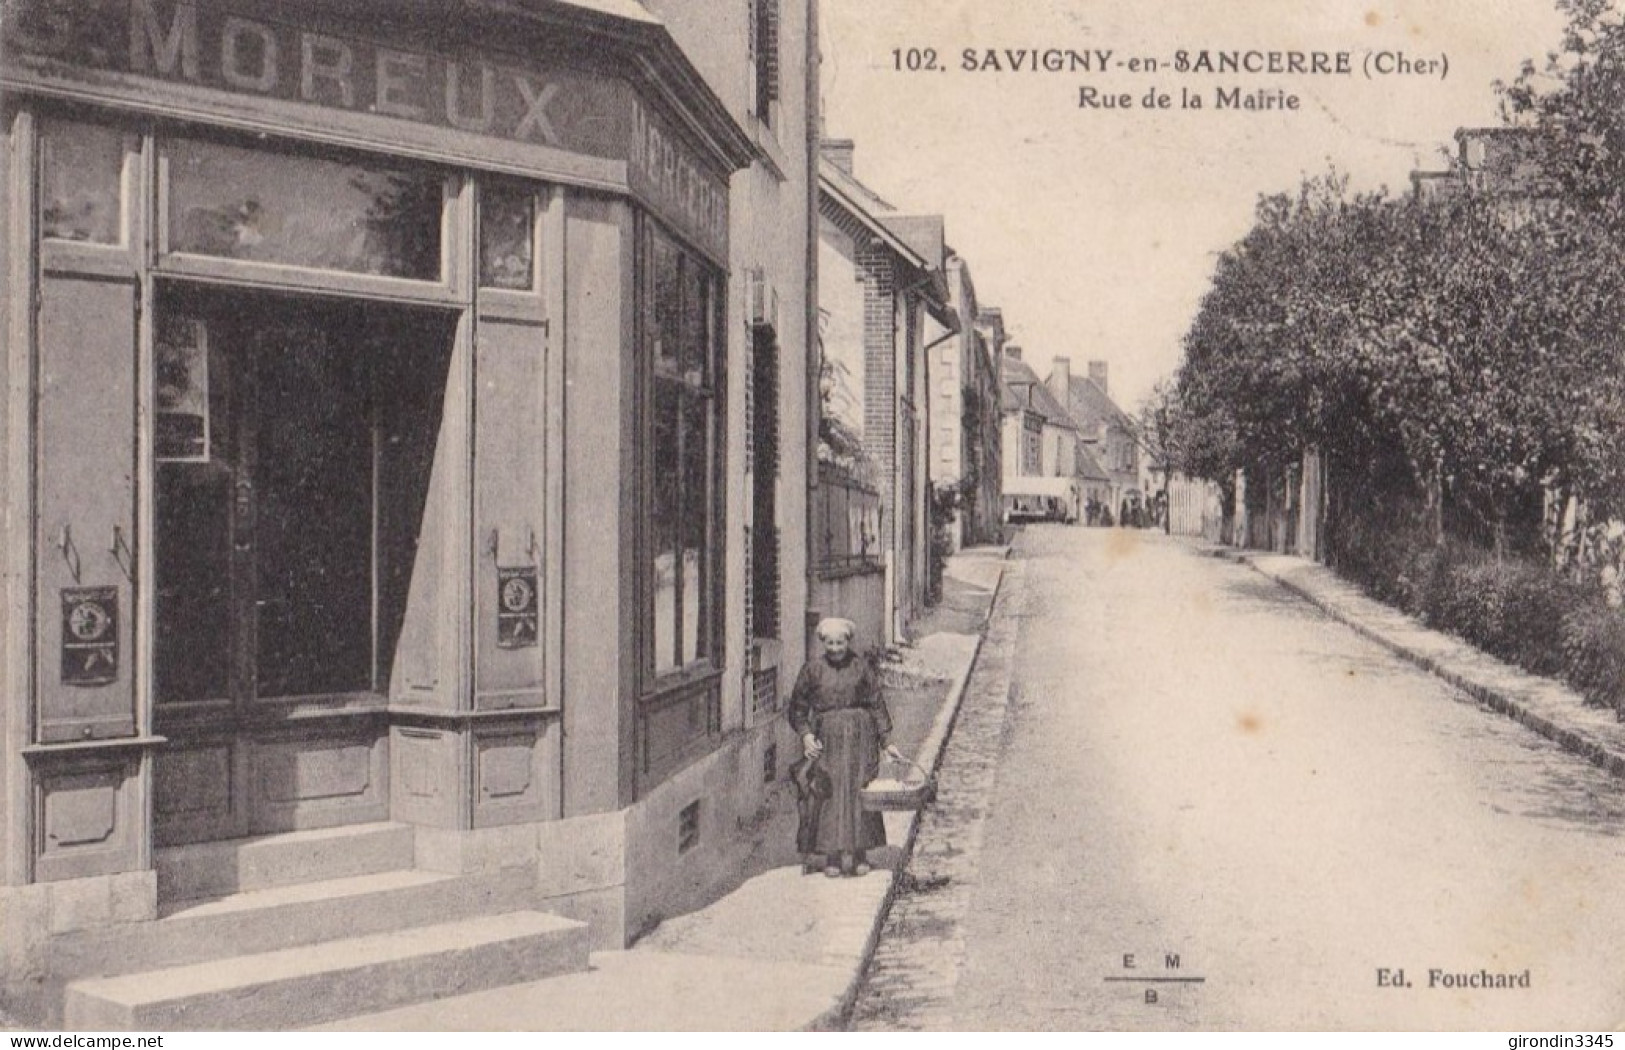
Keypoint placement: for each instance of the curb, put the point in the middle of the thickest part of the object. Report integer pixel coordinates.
(1575, 741)
(936, 742)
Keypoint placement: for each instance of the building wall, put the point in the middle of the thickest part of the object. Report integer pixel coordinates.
(1010, 444)
(601, 680)
(964, 380)
(986, 512)
(590, 729)
(913, 477)
(854, 593)
(770, 204)
(841, 300)
(947, 409)
(1021, 444)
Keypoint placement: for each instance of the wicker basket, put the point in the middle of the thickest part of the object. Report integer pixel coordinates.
(885, 793)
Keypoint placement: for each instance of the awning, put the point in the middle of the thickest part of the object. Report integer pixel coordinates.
(1060, 488)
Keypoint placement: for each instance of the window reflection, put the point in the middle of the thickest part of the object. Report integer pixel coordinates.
(507, 217)
(695, 524)
(668, 306)
(683, 456)
(81, 181)
(664, 517)
(239, 203)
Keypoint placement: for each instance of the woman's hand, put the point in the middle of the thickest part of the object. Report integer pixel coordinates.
(890, 750)
(811, 746)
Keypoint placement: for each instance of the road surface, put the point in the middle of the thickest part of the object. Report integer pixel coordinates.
(1196, 764)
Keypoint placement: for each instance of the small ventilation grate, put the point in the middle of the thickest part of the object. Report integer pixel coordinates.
(688, 827)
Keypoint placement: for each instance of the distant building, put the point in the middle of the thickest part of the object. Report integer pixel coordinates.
(884, 295)
(1111, 436)
(964, 381)
(1052, 474)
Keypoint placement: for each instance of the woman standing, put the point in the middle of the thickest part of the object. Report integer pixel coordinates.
(843, 723)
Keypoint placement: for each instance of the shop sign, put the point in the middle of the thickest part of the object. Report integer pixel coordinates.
(89, 635)
(210, 47)
(671, 178)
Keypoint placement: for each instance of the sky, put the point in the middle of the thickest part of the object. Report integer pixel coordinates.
(1096, 229)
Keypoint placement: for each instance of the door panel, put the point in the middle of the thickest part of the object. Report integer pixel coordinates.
(85, 525)
(510, 454)
(285, 552)
(313, 474)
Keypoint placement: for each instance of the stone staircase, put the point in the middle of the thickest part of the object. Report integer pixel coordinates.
(288, 931)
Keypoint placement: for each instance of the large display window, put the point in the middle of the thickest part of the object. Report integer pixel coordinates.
(684, 457)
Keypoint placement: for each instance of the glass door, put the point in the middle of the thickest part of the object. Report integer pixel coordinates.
(295, 438)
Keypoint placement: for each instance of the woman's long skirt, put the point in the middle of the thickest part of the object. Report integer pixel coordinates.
(852, 757)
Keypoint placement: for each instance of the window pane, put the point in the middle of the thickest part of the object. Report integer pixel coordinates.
(81, 190)
(694, 527)
(507, 217)
(303, 211)
(664, 518)
(667, 333)
(696, 357)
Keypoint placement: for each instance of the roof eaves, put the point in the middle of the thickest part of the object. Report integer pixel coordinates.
(844, 200)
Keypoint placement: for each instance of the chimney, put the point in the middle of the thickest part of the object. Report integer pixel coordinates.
(1060, 379)
(1097, 373)
(838, 152)
(1012, 350)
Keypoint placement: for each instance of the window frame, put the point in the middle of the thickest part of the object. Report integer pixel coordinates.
(711, 643)
(453, 286)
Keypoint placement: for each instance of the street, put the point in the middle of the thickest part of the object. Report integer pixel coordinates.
(1271, 815)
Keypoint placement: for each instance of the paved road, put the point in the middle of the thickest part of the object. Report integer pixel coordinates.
(1196, 763)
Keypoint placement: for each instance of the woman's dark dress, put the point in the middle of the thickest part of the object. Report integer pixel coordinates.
(840, 704)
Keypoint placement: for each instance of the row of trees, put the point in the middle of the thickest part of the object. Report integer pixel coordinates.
(1457, 358)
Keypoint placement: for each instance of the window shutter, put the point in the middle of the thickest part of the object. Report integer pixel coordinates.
(764, 427)
(763, 31)
(765, 579)
(753, 52)
(770, 47)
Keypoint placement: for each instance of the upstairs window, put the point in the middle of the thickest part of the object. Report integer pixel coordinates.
(763, 43)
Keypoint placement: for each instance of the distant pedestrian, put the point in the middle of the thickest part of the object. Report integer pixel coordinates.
(837, 710)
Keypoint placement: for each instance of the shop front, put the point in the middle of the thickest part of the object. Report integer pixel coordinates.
(363, 360)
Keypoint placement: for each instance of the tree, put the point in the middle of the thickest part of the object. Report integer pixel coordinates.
(1452, 351)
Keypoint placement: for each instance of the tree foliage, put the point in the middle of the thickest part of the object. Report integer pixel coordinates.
(1475, 344)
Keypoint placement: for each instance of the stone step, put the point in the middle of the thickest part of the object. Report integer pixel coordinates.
(299, 987)
(289, 916)
(213, 869)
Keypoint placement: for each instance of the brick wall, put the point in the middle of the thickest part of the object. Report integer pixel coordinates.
(875, 263)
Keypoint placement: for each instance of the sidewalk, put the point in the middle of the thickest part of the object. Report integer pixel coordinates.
(1544, 705)
(785, 951)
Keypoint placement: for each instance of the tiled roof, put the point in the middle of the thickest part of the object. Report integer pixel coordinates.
(1088, 467)
(1030, 392)
(1091, 407)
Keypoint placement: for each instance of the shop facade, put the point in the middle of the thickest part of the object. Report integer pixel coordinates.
(371, 375)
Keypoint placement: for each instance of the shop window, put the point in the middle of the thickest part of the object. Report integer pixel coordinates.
(82, 181)
(253, 204)
(684, 457)
(507, 238)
